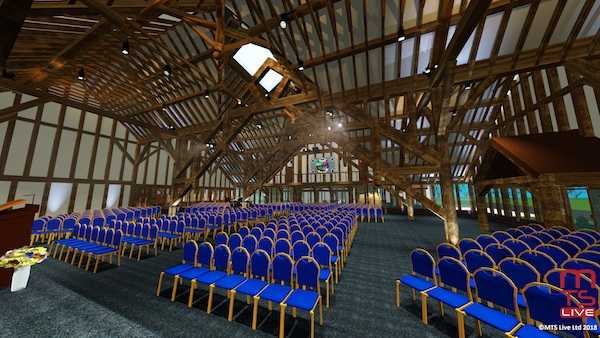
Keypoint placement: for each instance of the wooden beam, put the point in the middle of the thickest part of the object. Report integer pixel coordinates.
(587, 70)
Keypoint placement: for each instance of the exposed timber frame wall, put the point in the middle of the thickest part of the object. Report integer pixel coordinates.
(67, 160)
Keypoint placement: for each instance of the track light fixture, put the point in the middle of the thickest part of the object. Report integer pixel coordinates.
(468, 85)
(125, 47)
(401, 36)
(284, 18)
(81, 74)
(300, 65)
(258, 125)
(167, 70)
(206, 95)
(329, 128)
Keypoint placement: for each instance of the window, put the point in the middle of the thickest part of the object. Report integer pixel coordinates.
(251, 57)
(270, 80)
(464, 197)
(581, 209)
(530, 205)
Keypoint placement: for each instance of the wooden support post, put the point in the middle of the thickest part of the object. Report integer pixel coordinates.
(410, 207)
(482, 217)
(451, 221)
(551, 197)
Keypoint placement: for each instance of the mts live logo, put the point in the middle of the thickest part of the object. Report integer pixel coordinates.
(587, 301)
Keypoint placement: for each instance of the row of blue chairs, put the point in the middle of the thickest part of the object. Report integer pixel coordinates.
(508, 287)
(139, 236)
(280, 280)
(92, 242)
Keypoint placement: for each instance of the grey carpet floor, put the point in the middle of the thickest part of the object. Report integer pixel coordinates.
(63, 301)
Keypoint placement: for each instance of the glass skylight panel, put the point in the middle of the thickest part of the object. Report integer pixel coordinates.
(270, 80)
(251, 57)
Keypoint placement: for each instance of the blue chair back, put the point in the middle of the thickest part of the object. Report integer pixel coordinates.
(541, 261)
(256, 232)
(260, 264)
(300, 249)
(205, 254)
(222, 257)
(531, 241)
(190, 253)
(578, 241)
(307, 274)
(235, 241)
(283, 267)
(526, 229)
(498, 252)
(485, 240)
(516, 246)
(515, 232)
(584, 280)
(581, 264)
(519, 271)
(593, 256)
(588, 238)
(467, 244)
(475, 259)
(221, 238)
(495, 287)
(313, 238)
(544, 304)
(423, 263)
(266, 244)
(566, 245)
(283, 246)
(454, 274)
(249, 242)
(269, 233)
(542, 236)
(447, 250)
(239, 261)
(244, 231)
(558, 254)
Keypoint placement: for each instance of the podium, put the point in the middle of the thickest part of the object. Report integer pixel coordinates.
(15, 231)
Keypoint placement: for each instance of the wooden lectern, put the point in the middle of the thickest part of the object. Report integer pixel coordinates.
(16, 218)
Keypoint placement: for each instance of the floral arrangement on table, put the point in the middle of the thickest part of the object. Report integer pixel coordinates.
(23, 257)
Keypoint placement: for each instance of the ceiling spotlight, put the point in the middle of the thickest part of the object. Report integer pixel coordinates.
(401, 36)
(454, 113)
(171, 128)
(516, 77)
(468, 85)
(239, 102)
(81, 74)
(340, 124)
(267, 96)
(206, 95)
(508, 93)
(427, 70)
(300, 65)
(289, 137)
(259, 125)
(404, 130)
(309, 135)
(283, 20)
(329, 128)
(167, 70)
(125, 47)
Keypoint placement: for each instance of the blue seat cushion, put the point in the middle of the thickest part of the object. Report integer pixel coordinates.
(167, 235)
(38, 232)
(211, 277)
(447, 297)
(103, 251)
(251, 287)
(529, 331)
(416, 283)
(177, 269)
(497, 319)
(275, 292)
(324, 274)
(303, 299)
(230, 282)
(193, 273)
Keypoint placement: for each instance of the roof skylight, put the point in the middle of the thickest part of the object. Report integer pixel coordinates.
(251, 57)
(270, 80)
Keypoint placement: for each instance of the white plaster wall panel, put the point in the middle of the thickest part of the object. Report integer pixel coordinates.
(107, 125)
(126, 192)
(112, 196)
(407, 56)
(151, 163)
(66, 147)
(101, 158)
(30, 191)
(85, 155)
(3, 127)
(29, 113)
(72, 117)
(83, 191)
(566, 21)
(592, 103)
(513, 30)
(43, 151)
(128, 170)
(98, 193)
(4, 189)
(17, 154)
(6, 99)
(90, 122)
(162, 167)
(51, 112)
(116, 162)
(120, 131)
(539, 24)
(140, 173)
